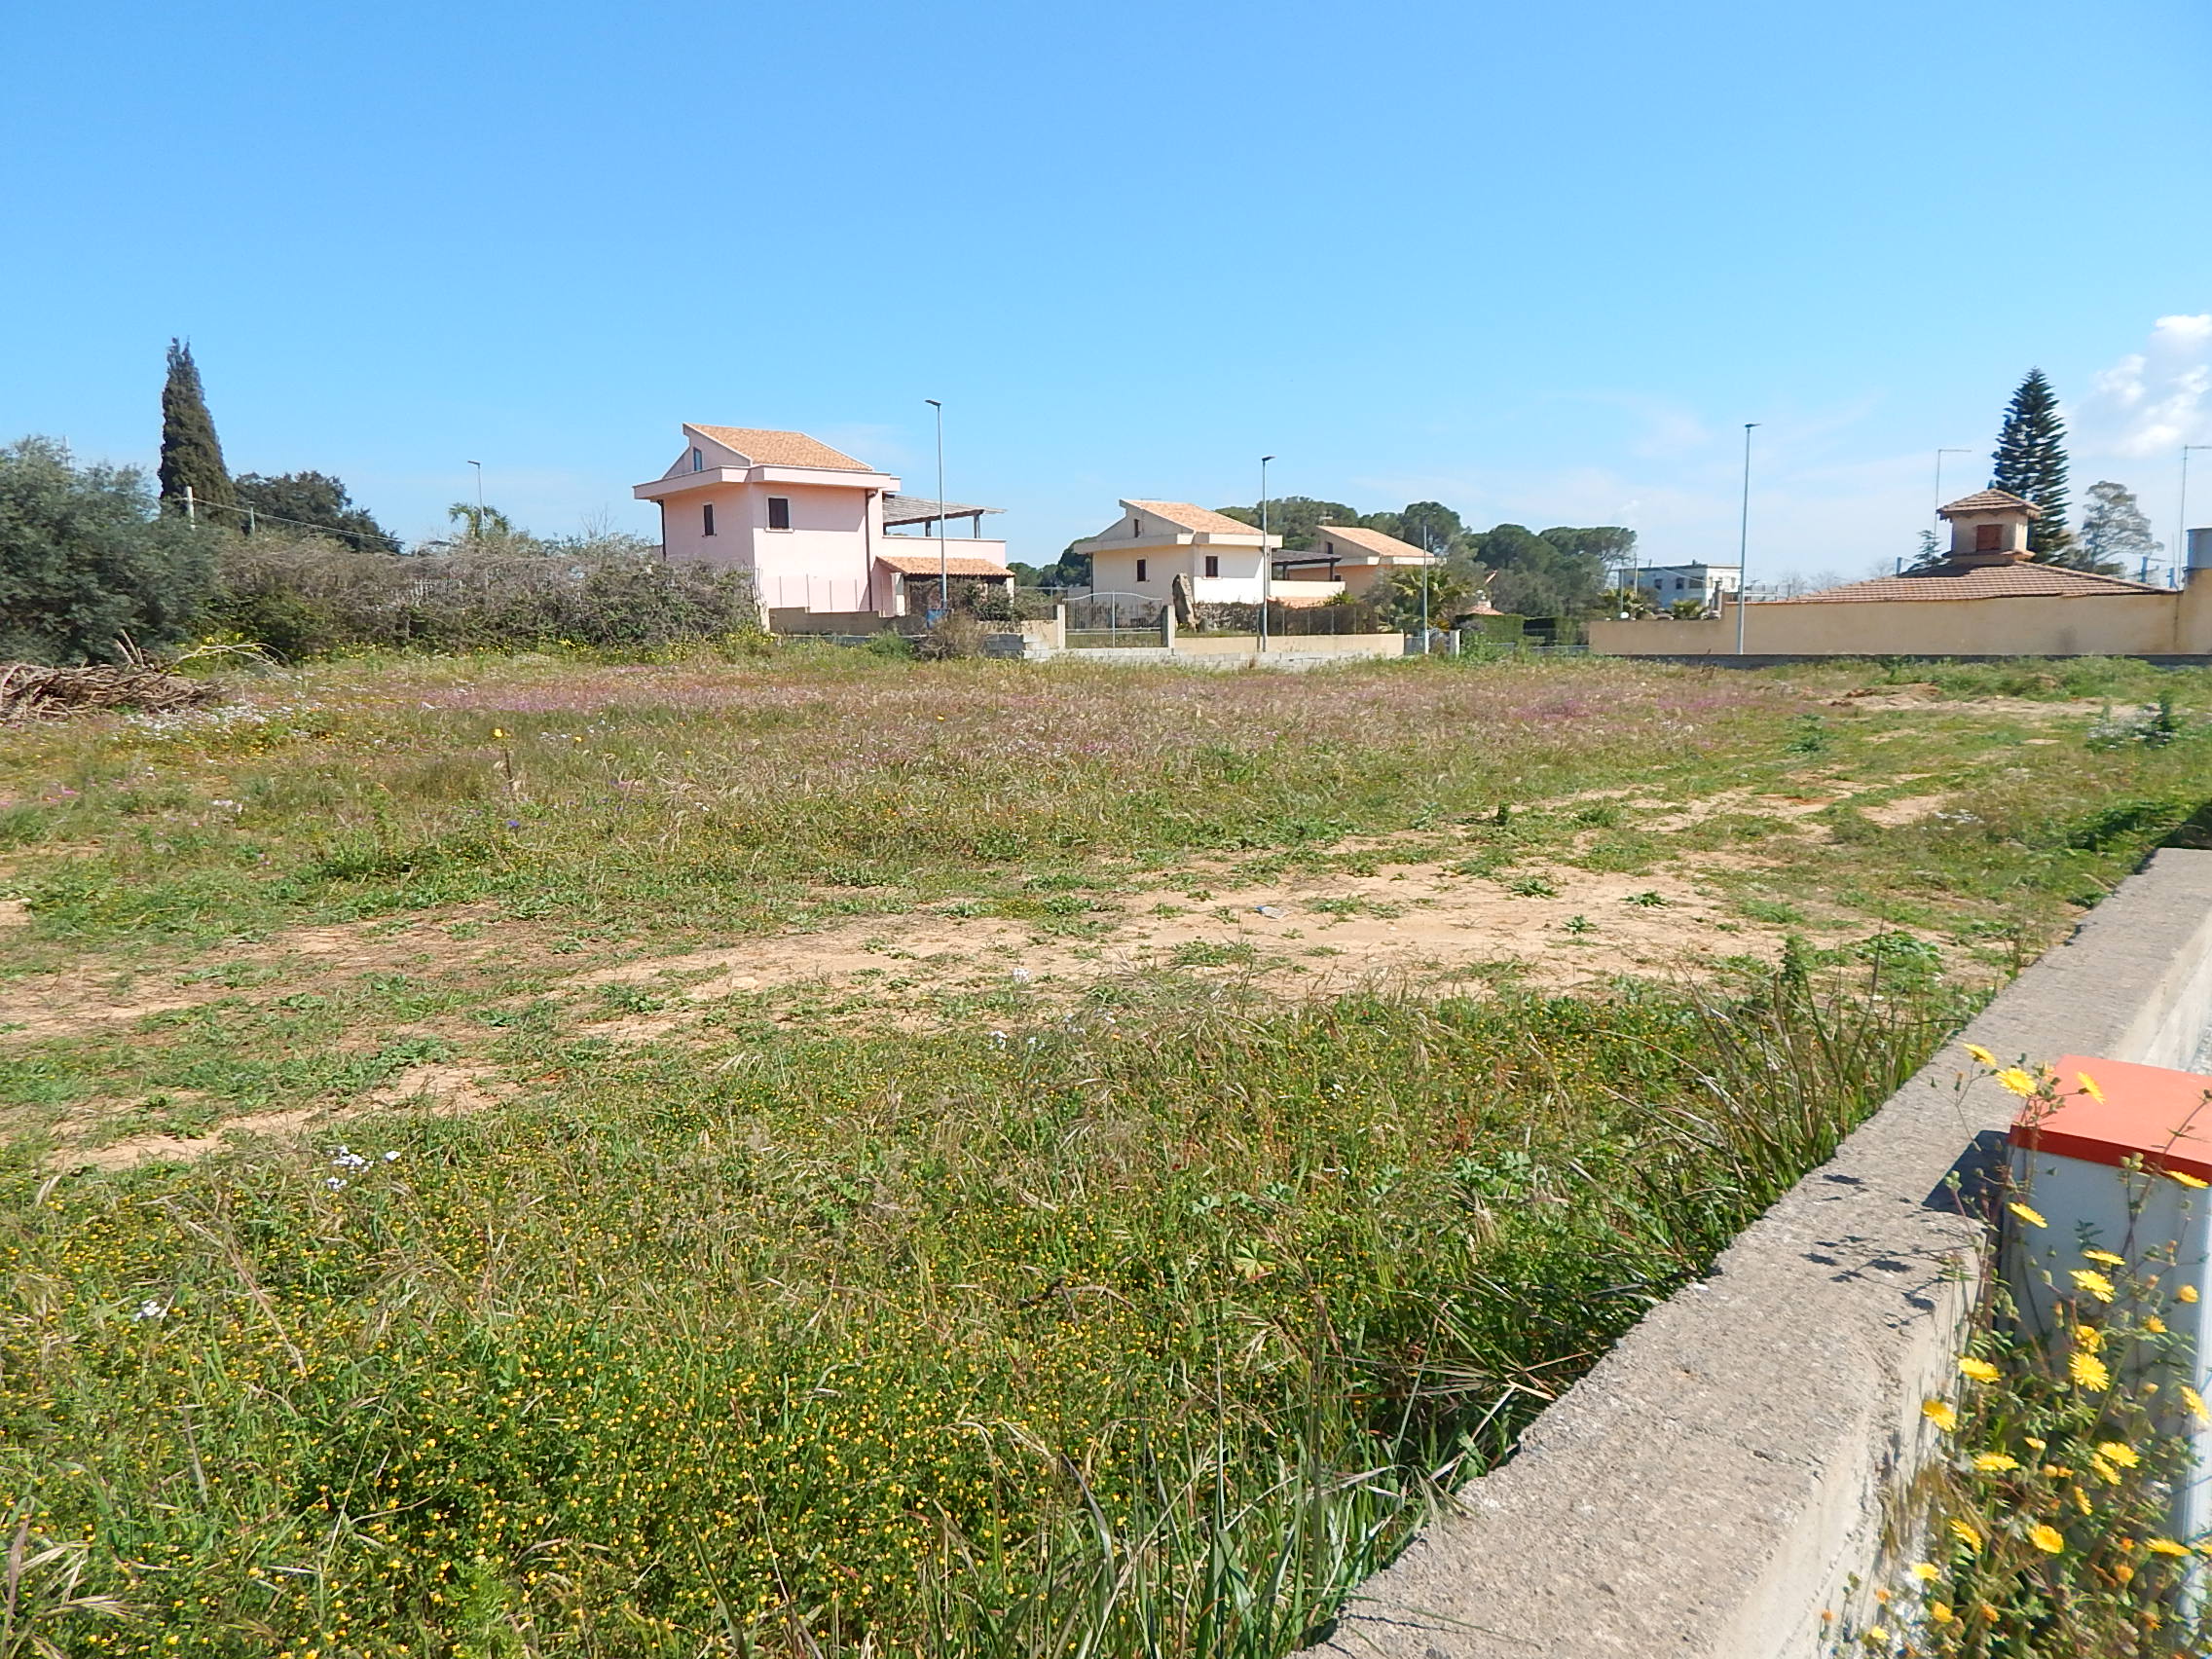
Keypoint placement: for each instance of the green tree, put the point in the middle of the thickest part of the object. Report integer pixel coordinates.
(1534, 578)
(298, 501)
(1398, 597)
(191, 455)
(1932, 552)
(2115, 537)
(87, 560)
(1294, 518)
(1428, 525)
(2031, 462)
(483, 523)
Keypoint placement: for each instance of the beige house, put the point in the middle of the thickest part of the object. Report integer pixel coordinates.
(1154, 542)
(1353, 558)
(1987, 598)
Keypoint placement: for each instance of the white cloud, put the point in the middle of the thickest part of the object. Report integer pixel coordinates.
(2152, 401)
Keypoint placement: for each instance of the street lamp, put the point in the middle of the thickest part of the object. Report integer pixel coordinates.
(1266, 565)
(479, 466)
(1743, 539)
(2181, 530)
(943, 576)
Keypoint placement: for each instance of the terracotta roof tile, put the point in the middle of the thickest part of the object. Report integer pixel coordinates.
(1374, 540)
(925, 565)
(764, 447)
(1989, 500)
(1185, 516)
(1975, 581)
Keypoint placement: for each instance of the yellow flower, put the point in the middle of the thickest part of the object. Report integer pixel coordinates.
(1967, 1535)
(2105, 1471)
(2119, 1451)
(2027, 1215)
(1995, 1462)
(1941, 1612)
(1925, 1572)
(2089, 1085)
(2186, 1178)
(1979, 1369)
(2087, 1371)
(2184, 1293)
(2105, 1256)
(2155, 1325)
(1940, 1414)
(2194, 1401)
(2039, 1445)
(2093, 1284)
(2045, 1538)
(1981, 1056)
(2089, 1339)
(496, 732)
(2166, 1547)
(2017, 1080)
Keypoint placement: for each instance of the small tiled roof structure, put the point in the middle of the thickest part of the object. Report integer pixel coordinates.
(926, 565)
(1185, 516)
(1990, 501)
(1951, 581)
(1373, 540)
(764, 447)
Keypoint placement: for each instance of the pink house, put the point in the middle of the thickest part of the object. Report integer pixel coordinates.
(809, 523)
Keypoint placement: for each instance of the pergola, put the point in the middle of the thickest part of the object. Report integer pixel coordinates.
(920, 509)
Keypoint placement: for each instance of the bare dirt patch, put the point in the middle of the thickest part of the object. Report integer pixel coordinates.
(65, 1003)
(444, 1090)
(1415, 924)
(1906, 809)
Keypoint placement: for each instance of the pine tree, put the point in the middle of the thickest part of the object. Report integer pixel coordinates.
(2031, 462)
(191, 455)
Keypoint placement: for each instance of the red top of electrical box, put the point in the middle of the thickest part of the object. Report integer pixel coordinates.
(2148, 1111)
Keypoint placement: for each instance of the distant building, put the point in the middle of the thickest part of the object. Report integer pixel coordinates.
(1985, 597)
(1153, 543)
(1668, 585)
(809, 523)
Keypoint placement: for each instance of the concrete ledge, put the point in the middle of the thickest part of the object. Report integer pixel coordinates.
(1720, 1478)
(1758, 659)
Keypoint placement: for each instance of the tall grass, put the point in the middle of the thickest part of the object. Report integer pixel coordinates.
(1102, 1341)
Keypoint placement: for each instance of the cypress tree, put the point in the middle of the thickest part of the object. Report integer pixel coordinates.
(2031, 462)
(191, 453)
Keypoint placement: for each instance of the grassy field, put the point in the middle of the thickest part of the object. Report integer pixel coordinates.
(812, 1153)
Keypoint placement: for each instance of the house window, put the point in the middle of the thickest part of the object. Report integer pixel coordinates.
(1213, 564)
(1134, 527)
(698, 460)
(1986, 537)
(708, 513)
(779, 512)
(1140, 569)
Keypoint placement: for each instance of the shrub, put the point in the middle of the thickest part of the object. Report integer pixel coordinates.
(86, 562)
(304, 596)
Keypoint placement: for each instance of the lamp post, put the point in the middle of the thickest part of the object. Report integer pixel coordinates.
(943, 576)
(1743, 539)
(2181, 510)
(1427, 554)
(479, 466)
(1266, 565)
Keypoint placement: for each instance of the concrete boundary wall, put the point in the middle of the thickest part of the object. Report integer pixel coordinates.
(1721, 1476)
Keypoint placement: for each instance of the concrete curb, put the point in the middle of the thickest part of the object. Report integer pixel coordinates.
(1722, 1475)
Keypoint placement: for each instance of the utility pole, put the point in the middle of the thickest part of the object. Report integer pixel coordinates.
(1267, 564)
(943, 577)
(1428, 553)
(1744, 539)
(1939, 454)
(192, 507)
(482, 518)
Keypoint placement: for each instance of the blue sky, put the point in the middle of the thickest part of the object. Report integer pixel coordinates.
(1537, 262)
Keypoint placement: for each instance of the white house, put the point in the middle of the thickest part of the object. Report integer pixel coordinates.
(1153, 543)
(808, 522)
(1671, 585)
